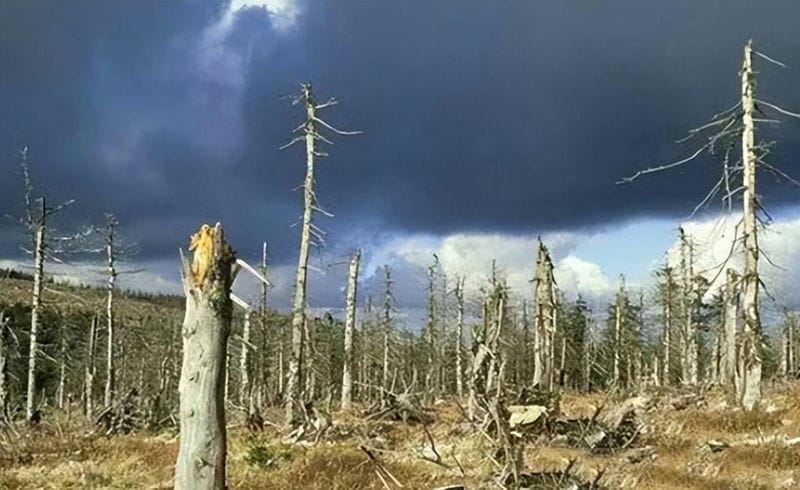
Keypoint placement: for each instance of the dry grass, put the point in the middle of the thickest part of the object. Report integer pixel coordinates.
(61, 456)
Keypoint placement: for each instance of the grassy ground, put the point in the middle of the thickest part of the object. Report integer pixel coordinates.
(60, 455)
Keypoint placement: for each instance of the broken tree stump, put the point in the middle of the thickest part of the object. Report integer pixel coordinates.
(207, 284)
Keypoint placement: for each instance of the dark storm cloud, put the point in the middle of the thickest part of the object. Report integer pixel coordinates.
(491, 116)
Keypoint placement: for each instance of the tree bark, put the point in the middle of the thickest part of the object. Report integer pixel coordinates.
(244, 363)
(296, 360)
(459, 337)
(349, 330)
(615, 367)
(206, 327)
(430, 382)
(111, 374)
(36, 305)
(689, 337)
(3, 366)
(728, 364)
(668, 291)
(544, 330)
(386, 330)
(751, 394)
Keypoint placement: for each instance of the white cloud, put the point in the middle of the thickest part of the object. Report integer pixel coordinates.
(224, 64)
(471, 254)
(578, 276)
(778, 242)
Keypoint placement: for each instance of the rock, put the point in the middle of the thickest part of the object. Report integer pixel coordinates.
(524, 415)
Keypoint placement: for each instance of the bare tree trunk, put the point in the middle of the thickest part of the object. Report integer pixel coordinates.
(62, 368)
(310, 369)
(460, 337)
(36, 305)
(618, 307)
(244, 362)
(588, 355)
(349, 329)
(293, 397)
(264, 358)
(545, 322)
(791, 354)
(430, 382)
(689, 337)
(668, 291)
(206, 327)
(3, 366)
(617, 341)
(731, 314)
(111, 374)
(751, 395)
(387, 328)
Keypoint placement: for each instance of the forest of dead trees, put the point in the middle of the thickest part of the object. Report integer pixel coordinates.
(126, 361)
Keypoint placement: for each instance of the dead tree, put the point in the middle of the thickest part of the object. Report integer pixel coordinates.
(788, 337)
(310, 234)
(619, 312)
(245, 363)
(111, 224)
(667, 292)
(730, 328)
(430, 331)
(386, 330)
(459, 292)
(90, 371)
(36, 224)
(738, 123)
(752, 338)
(265, 338)
(349, 329)
(689, 369)
(545, 321)
(3, 366)
(207, 284)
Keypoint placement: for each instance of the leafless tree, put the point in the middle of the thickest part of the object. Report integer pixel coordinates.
(730, 125)
(310, 234)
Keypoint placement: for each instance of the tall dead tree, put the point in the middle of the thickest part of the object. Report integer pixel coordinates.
(619, 313)
(752, 338)
(265, 337)
(309, 235)
(688, 299)
(430, 331)
(545, 320)
(111, 224)
(349, 330)
(667, 295)
(36, 224)
(732, 126)
(459, 293)
(90, 371)
(207, 284)
(386, 330)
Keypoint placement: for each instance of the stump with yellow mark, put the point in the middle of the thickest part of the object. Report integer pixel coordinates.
(207, 283)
